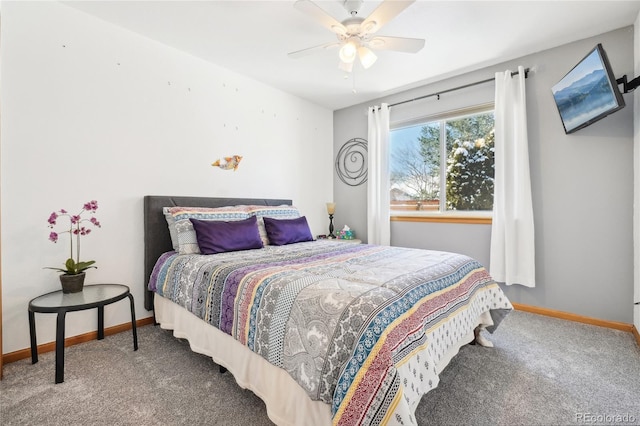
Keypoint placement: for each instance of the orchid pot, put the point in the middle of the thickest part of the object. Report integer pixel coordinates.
(72, 283)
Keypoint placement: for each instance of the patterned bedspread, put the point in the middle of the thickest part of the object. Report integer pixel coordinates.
(360, 327)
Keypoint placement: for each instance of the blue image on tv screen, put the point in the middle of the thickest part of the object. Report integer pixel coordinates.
(585, 94)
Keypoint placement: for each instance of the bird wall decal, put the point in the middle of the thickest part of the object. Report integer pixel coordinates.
(228, 163)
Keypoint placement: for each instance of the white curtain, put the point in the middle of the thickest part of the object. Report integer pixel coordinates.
(378, 225)
(512, 234)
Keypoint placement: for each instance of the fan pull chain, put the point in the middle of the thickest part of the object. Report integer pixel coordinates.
(353, 89)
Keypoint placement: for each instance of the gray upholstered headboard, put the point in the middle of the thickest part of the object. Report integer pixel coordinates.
(156, 232)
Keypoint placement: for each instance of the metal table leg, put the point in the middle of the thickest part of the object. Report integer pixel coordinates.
(100, 322)
(32, 334)
(133, 322)
(60, 347)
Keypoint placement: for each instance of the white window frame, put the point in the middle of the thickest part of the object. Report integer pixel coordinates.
(443, 215)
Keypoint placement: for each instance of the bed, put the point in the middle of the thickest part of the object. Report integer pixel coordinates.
(323, 332)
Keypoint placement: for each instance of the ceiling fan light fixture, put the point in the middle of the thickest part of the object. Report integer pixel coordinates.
(356, 35)
(367, 57)
(348, 52)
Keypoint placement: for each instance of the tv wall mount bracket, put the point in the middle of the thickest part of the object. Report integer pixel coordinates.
(628, 86)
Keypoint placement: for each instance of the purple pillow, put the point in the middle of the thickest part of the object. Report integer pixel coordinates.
(217, 236)
(287, 231)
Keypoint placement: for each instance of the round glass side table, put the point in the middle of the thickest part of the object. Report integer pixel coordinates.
(57, 302)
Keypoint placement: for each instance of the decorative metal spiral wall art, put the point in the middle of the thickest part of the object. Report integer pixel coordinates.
(351, 162)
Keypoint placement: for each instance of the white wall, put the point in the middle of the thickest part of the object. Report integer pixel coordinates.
(92, 111)
(584, 249)
(636, 219)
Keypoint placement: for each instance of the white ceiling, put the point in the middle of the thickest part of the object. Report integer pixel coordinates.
(254, 37)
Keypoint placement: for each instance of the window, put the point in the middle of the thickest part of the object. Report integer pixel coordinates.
(444, 163)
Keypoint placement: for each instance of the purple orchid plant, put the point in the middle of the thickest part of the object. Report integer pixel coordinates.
(77, 228)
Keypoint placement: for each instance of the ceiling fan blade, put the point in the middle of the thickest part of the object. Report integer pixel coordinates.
(399, 44)
(387, 10)
(311, 50)
(317, 13)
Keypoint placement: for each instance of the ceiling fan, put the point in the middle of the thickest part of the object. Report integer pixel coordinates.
(356, 35)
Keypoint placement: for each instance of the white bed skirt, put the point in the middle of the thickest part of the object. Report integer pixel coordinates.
(287, 403)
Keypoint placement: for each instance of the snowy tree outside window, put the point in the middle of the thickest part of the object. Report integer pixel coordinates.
(443, 165)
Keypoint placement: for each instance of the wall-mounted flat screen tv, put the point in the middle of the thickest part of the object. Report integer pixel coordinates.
(588, 92)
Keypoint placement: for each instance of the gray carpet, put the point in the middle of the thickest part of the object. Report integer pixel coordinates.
(542, 371)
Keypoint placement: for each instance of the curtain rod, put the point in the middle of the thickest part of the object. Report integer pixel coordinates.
(526, 75)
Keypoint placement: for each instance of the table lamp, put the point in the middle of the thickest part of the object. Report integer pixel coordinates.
(331, 208)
